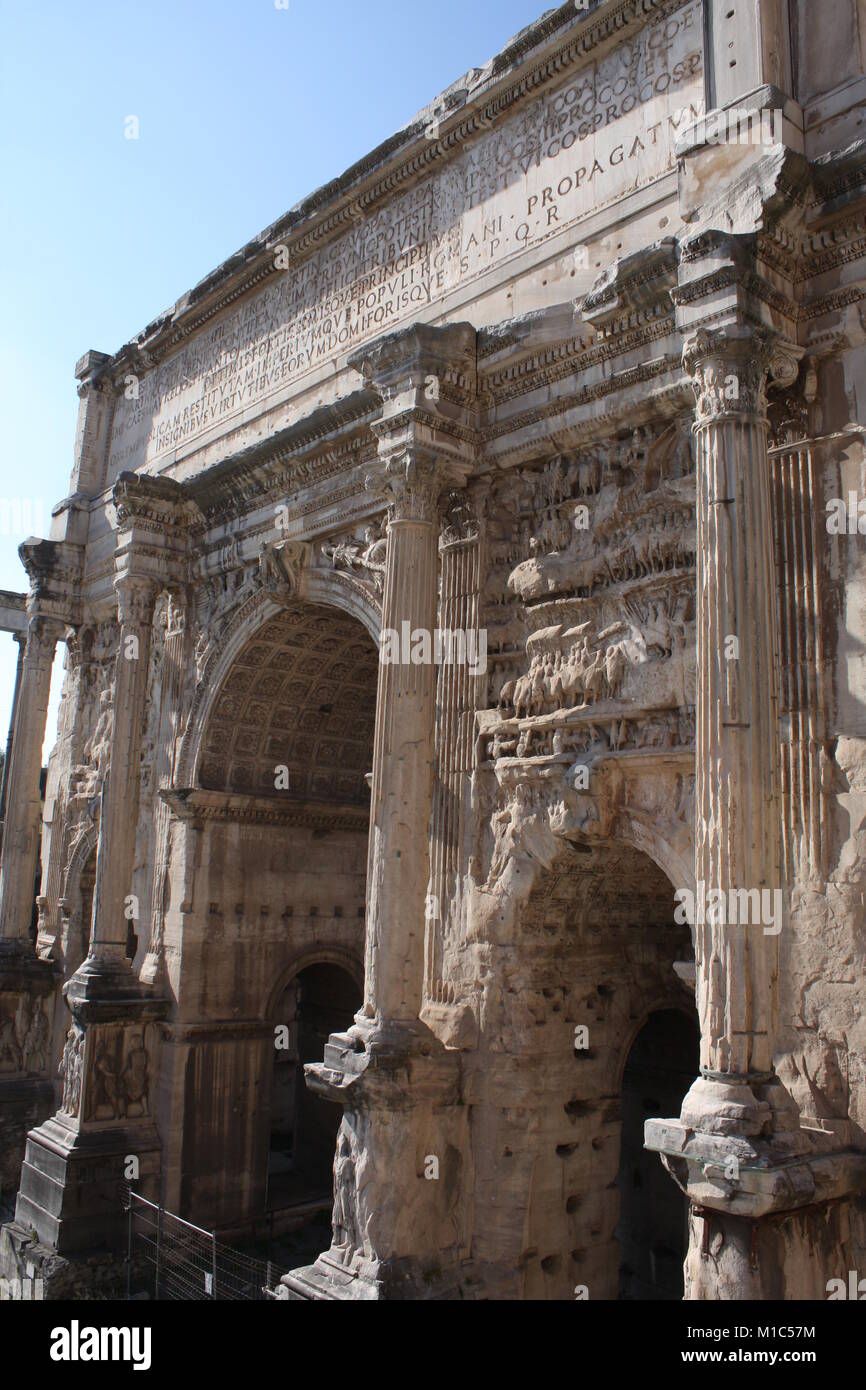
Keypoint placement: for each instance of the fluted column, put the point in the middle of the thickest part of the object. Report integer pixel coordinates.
(22, 824)
(7, 764)
(171, 686)
(403, 750)
(397, 1082)
(738, 825)
(118, 820)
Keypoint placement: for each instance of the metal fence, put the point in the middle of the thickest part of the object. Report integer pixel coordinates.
(168, 1258)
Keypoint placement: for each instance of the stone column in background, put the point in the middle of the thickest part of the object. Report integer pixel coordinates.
(21, 639)
(22, 824)
(27, 982)
(103, 1134)
(106, 962)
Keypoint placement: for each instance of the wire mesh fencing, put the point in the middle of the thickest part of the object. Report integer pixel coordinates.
(171, 1259)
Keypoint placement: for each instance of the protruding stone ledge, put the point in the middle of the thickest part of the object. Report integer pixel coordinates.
(194, 804)
(765, 1184)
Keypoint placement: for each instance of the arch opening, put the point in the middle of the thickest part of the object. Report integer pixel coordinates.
(661, 1065)
(590, 956)
(321, 999)
(277, 857)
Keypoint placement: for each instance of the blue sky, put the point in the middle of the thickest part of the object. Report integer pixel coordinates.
(243, 108)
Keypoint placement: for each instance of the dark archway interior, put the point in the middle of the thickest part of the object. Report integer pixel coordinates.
(320, 1000)
(661, 1066)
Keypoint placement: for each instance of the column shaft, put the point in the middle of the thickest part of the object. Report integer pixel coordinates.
(22, 824)
(399, 861)
(738, 829)
(7, 765)
(118, 821)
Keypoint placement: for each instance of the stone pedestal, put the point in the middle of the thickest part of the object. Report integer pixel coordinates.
(27, 986)
(399, 1189)
(76, 1163)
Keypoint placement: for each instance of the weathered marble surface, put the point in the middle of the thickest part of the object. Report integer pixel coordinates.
(553, 365)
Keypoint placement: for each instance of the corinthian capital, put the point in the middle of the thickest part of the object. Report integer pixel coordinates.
(413, 480)
(136, 598)
(43, 634)
(730, 367)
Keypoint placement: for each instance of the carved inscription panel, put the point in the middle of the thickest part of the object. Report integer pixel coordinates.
(610, 129)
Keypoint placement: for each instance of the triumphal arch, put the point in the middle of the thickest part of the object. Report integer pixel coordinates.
(460, 783)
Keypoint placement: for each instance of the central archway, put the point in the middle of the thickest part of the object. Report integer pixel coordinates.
(589, 956)
(275, 831)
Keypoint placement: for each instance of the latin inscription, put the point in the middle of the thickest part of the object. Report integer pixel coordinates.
(609, 130)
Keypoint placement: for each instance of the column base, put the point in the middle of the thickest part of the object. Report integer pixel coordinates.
(73, 1183)
(738, 1147)
(103, 983)
(399, 1201)
(330, 1281)
(22, 969)
(814, 1253)
(43, 1275)
(777, 1211)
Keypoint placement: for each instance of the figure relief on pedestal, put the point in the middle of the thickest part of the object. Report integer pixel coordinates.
(347, 1239)
(105, 1093)
(134, 1080)
(71, 1069)
(10, 1048)
(25, 1035)
(36, 1040)
(119, 1081)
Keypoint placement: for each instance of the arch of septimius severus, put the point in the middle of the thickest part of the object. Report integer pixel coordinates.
(567, 932)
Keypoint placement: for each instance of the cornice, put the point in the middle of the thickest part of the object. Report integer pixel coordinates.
(632, 376)
(193, 804)
(568, 360)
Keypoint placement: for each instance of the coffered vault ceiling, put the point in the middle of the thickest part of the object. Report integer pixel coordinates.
(301, 695)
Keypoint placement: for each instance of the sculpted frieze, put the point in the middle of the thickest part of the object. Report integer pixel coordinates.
(361, 553)
(590, 581)
(25, 1034)
(219, 597)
